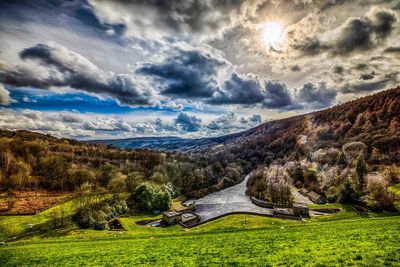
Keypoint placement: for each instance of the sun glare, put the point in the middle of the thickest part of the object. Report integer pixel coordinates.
(272, 33)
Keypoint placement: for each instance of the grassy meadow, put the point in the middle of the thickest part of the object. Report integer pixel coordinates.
(341, 239)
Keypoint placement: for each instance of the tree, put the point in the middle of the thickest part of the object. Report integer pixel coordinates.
(342, 161)
(21, 176)
(106, 174)
(361, 170)
(55, 169)
(132, 180)
(375, 156)
(80, 175)
(117, 183)
(347, 194)
(149, 197)
(377, 192)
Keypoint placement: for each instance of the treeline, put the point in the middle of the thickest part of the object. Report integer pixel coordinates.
(31, 160)
(339, 175)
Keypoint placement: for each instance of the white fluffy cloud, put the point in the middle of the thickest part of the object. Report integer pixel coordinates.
(5, 98)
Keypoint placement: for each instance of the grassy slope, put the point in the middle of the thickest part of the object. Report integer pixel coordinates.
(396, 190)
(340, 239)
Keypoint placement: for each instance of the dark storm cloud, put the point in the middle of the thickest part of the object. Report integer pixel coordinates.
(365, 32)
(237, 90)
(277, 96)
(189, 74)
(355, 35)
(62, 67)
(317, 97)
(187, 122)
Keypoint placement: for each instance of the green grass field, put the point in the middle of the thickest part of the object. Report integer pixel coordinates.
(340, 239)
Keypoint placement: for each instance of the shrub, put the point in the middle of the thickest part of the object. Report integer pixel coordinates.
(377, 194)
(149, 197)
(96, 215)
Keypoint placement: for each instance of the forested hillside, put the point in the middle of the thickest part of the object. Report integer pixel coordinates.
(373, 120)
(31, 160)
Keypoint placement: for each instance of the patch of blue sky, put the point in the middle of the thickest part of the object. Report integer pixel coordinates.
(44, 100)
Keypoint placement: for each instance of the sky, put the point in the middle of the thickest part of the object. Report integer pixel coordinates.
(100, 69)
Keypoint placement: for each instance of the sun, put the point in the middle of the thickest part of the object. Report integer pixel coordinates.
(273, 34)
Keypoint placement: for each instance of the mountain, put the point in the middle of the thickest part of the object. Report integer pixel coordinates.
(374, 120)
(161, 143)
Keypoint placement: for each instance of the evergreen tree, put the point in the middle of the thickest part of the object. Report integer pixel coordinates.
(361, 169)
(342, 161)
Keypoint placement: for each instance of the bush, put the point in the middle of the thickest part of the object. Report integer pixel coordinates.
(377, 194)
(149, 197)
(95, 216)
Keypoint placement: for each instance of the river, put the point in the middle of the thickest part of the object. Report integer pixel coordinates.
(231, 199)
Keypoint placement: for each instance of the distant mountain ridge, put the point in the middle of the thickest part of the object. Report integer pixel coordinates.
(162, 143)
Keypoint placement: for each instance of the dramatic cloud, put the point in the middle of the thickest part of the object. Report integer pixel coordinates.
(316, 97)
(187, 122)
(154, 19)
(356, 34)
(277, 96)
(190, 74)
(237, 90)
(61, 67)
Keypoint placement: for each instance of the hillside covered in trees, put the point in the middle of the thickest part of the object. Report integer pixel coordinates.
(31, 160)
(342, 153)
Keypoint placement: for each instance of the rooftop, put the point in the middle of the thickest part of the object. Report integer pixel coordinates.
(171, 213)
